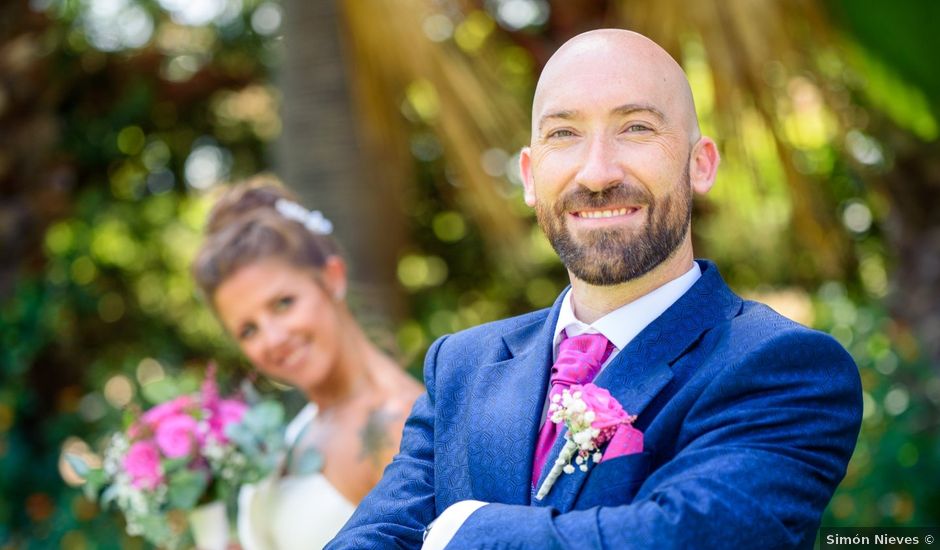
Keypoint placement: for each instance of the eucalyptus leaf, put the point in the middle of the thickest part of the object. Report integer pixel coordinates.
(174, 464)
(108, 495)
(156, 530)
(80, 466)
(265, 416)
(186, 487)
(243, 437)
(251, 394)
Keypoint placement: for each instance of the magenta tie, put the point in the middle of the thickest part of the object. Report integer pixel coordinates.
(579, 360)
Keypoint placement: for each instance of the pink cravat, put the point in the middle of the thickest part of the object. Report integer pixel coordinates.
(579, 360)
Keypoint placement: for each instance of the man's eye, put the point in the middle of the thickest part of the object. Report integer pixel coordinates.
(637, 127)
(560, 133)
(283, 303)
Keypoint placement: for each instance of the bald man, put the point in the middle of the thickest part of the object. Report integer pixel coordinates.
(745, 420)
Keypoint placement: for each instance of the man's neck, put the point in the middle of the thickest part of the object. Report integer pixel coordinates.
(591, 302)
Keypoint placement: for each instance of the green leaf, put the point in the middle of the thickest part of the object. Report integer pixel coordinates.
(243, 437)
(171, 465)
(186, 487)
(96, 478)
(108, 495)
(251, 394)
(265, 416)
(80, 466)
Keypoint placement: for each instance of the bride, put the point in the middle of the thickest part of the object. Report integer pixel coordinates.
(276, 280)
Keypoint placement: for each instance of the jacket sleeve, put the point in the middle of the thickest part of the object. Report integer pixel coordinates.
(395, 513)
(754, 464)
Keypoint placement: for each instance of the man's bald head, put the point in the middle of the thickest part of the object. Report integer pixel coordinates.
(624, 62)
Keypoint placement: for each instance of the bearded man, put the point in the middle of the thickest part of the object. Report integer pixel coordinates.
(736, 424)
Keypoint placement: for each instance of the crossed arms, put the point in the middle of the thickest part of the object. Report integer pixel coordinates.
(749, 454)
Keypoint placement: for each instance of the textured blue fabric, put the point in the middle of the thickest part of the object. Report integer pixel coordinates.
(749, 420)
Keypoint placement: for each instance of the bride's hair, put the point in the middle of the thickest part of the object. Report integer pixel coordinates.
(247, 224)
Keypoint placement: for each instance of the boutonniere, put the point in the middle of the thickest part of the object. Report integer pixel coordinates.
(593, 417)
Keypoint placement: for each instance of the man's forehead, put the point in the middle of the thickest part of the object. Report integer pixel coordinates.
(613, 88)
(608, 68)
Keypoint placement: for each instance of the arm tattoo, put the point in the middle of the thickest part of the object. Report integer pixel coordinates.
(374, 435)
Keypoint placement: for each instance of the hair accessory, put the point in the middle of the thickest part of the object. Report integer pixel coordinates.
(314, 221)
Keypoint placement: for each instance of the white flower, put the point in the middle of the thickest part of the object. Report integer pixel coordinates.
(568, 469)
(597, 457)
(582, 438)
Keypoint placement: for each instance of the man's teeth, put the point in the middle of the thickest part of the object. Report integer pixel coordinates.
(605, 213)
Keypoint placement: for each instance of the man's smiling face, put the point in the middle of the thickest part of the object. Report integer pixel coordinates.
(607, 171)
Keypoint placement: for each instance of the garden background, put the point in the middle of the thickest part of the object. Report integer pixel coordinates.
(401, 119)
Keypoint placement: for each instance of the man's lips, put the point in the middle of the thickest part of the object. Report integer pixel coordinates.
(601, 213)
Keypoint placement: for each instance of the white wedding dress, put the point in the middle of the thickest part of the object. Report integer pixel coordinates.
(292, 511)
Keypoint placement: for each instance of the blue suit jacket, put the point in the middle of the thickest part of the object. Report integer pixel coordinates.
(749, 420)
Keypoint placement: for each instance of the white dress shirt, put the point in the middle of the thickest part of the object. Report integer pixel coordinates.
(620, 327)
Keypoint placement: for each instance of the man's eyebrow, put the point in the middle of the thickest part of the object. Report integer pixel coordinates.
(630, 108)
(562, 115)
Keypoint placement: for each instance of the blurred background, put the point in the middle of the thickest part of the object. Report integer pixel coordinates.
(401, 120)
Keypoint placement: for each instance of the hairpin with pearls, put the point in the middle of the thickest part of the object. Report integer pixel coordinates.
(314, 221)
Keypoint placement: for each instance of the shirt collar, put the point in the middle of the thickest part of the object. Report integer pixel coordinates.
(621, 325)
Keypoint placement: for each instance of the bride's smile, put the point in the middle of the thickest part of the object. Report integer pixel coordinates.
(284, 320)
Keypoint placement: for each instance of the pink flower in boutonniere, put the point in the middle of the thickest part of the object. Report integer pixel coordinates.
(592, 417)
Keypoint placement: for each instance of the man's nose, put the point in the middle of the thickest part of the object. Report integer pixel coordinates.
(600, 168)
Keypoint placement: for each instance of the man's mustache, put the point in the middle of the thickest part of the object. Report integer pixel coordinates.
(619, 195)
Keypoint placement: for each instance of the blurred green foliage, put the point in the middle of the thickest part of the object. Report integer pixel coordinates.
(105, 316)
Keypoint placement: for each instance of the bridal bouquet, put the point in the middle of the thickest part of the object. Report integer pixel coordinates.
(188, 451)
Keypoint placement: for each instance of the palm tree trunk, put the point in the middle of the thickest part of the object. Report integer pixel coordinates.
(321, 156)
(913, 234)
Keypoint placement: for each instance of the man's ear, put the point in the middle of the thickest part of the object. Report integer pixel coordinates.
(703, 164)
(525, 169)
(334, 277)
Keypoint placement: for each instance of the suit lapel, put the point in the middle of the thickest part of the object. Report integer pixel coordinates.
(506, 408)
(641, 370)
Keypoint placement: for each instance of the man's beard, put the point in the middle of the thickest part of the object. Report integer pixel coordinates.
(606, 257)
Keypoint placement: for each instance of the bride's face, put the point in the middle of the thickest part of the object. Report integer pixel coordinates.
(285, 321)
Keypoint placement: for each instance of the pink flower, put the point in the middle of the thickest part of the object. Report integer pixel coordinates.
(157, 414)
(608, 413)
(209, 389)
(229, 411)
(142, 463)
(176, 435)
